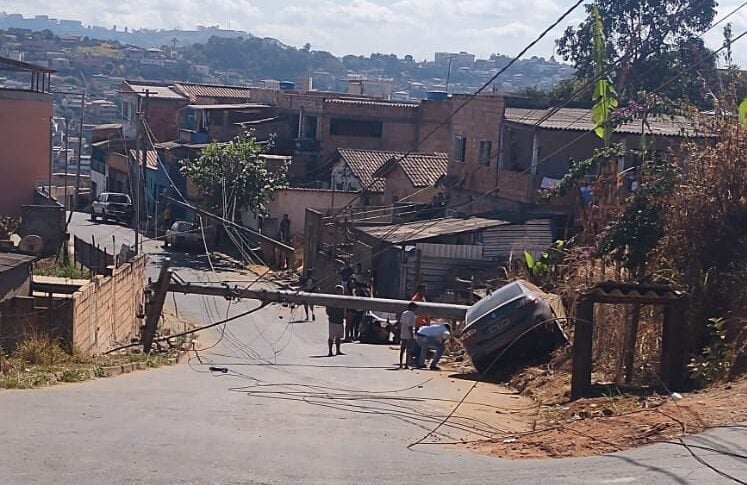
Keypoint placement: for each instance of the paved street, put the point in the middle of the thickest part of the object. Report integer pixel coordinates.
(285, 413)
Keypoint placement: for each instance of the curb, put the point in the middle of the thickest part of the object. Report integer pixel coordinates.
(114, 370)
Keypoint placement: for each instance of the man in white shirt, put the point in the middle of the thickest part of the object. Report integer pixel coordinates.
(432, 337)
(406, 332)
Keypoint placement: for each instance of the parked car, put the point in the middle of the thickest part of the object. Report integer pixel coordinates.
(112, 205)
(505, 318)
(183, 234)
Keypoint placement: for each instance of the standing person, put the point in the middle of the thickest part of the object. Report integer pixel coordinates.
(432, 337)
(345, 274)
(336, 318)
(308, 284)
(360, 291)
(285, 228)
(406, 333)
(419, 296)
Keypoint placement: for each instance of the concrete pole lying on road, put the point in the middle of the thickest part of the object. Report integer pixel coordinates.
(433, 310)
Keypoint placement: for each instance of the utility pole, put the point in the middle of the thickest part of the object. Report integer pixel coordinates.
(67, 151)
(135, 188)
(140, 169)
(155, 306)
(80, 148)
(51, 154)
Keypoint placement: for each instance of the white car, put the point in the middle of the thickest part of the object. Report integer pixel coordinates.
(112, 205)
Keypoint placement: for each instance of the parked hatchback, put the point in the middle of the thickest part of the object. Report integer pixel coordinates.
(112, 205)
(506, 318)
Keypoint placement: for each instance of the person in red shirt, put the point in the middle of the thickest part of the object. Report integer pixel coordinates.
(419, 296)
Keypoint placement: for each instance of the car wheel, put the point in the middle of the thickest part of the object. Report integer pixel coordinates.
(483, 366)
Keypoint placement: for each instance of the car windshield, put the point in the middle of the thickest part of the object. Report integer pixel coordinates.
(498, 298)
(119, 198)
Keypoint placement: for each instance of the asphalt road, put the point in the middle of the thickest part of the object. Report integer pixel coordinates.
(283, 413)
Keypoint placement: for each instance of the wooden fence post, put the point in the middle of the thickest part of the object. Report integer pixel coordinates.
(582, 348)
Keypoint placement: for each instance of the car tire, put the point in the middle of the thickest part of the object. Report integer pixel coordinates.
(483, 366)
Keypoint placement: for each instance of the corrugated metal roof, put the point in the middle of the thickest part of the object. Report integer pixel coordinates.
(155, 91)
(13, 260)
(501, 242)
(227, 106)
(418, 231)
(580, 120)
(196, 91)
(371, 102)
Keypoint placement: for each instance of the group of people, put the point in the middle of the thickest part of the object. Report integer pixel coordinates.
(417, 335)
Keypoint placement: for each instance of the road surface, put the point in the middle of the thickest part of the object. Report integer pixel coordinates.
(284, 413)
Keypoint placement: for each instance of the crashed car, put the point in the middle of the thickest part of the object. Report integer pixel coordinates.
(518, 318)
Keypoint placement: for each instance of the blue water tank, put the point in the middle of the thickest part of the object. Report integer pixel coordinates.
(287, 85)
(436, 95)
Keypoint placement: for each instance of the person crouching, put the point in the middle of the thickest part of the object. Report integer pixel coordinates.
(432, 337)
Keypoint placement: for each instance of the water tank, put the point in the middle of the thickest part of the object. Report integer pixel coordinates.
(436, 95)
(287, 85)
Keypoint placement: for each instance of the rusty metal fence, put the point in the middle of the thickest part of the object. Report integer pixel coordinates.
(92, 256)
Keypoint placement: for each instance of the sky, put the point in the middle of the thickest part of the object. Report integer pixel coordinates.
(416, 27)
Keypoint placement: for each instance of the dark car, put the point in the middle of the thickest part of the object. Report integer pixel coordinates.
(505, 318)
(113, 205)
(184, 234)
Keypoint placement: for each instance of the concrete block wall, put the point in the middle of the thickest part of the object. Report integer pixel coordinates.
(105, 310)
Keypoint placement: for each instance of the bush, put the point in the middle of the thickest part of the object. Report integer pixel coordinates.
(41, 350)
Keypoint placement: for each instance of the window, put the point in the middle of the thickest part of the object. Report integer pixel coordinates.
(309, 127)
(363, 128)
(486, 148)
(460, 148)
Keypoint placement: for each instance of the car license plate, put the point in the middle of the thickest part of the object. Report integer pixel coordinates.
(498, 326)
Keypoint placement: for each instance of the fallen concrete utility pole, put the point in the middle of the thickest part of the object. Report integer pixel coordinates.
(434, 310)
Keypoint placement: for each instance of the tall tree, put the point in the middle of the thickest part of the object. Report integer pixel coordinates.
(234, 175)
(648, 41)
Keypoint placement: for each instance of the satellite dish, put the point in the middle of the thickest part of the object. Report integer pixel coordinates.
(32, 244)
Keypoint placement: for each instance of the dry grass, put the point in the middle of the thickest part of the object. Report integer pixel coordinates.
(41, 361)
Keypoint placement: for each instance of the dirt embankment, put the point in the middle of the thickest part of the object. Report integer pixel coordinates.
(614, 423)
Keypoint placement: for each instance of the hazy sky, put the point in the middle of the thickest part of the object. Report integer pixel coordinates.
(417, 27)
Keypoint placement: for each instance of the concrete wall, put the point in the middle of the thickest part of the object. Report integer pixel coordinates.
(24, 315)
(45, 221)
(15, 282)
(479, 120)
(398, 186)
(105, 310)
(24, 147)
(399, 132)
(294, 202)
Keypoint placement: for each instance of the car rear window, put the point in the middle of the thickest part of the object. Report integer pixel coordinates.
(498, 298)
(119, 198)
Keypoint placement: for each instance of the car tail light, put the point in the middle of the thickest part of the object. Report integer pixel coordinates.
(468, 334)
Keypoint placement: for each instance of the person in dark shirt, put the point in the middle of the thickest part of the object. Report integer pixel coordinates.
(336, 317)
(285, 225)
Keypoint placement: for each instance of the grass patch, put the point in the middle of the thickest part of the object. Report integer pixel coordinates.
(50, 267)
(40, 361)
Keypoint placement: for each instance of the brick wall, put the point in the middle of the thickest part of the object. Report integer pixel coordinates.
(105, 310)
